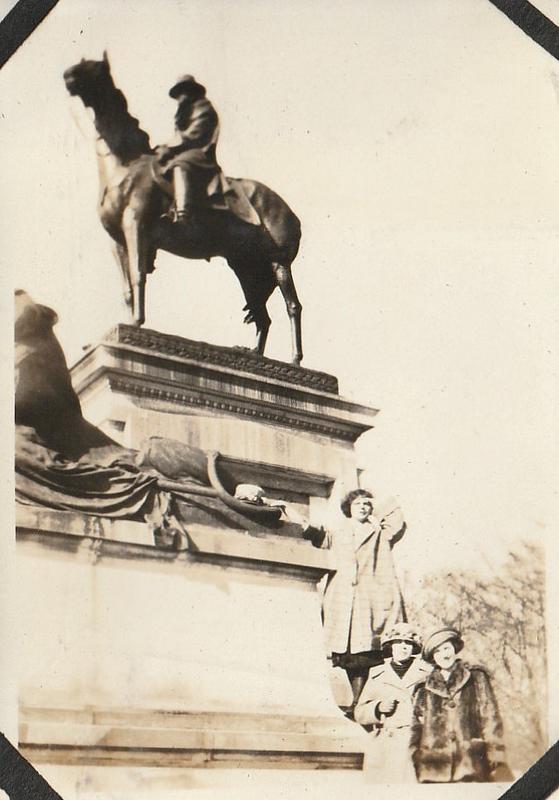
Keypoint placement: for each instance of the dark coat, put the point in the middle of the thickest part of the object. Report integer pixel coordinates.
(194, 150)
(197, 132)
(457, 733)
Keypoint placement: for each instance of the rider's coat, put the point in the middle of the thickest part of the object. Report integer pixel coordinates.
(194, 149)
(196, 135)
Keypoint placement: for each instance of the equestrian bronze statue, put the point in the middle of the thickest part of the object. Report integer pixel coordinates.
(245, 222)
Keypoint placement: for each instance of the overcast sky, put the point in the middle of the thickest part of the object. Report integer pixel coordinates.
(419, 144)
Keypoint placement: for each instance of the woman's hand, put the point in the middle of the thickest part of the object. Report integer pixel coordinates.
(387, 707)
(291, 513)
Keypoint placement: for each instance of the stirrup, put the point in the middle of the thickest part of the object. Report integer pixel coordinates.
(184, 214)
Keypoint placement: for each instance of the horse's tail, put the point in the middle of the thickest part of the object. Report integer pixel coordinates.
(279, 220)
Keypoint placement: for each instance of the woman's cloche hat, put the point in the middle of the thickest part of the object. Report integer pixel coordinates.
(401, 632)
(440, 636)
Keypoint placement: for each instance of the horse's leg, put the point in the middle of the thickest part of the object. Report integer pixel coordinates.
(284, 280)
(140, 260)
(121, 256)
(257, 285)
(257, 313)
(263, 323)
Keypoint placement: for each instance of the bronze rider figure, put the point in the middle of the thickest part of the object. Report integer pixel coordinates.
(191, 157)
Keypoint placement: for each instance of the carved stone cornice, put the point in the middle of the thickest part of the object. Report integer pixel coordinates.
(244, 360)
(166, 373)
(140, 388)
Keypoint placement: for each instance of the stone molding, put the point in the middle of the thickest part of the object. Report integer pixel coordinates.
(93, 538)
(137, 386)
(246, 361)
(156, 370)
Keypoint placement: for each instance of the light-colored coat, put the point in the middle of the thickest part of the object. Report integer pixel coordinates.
(363, 596)
(384, 684)
(388, 753)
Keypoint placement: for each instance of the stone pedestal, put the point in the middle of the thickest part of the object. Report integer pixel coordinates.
(138, 657)
(282, 427)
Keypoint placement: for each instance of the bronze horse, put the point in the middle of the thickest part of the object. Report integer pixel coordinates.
(133, 205)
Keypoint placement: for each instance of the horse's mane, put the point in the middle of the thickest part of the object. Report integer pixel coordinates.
(115, 124)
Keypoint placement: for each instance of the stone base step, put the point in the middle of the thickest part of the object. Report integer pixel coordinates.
(189, 739)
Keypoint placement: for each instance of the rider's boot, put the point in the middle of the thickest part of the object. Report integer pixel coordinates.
(183, 191)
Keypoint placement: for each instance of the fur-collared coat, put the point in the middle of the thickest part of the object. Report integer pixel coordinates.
(457, 733)
(363, 596)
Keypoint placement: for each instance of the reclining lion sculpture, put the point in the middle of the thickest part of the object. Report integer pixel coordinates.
(64, 462)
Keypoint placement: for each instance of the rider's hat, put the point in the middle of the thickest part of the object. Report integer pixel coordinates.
(186, 83)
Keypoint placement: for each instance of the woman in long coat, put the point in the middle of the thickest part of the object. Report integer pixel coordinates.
(385, 706)
(362, 597)
(457, 732)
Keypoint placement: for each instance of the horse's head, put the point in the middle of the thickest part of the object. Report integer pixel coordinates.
(87, 78)
(92, 82)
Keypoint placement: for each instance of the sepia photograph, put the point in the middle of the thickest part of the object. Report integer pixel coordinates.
(282, 284)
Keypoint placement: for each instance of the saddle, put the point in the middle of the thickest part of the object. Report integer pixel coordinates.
(222, 194)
